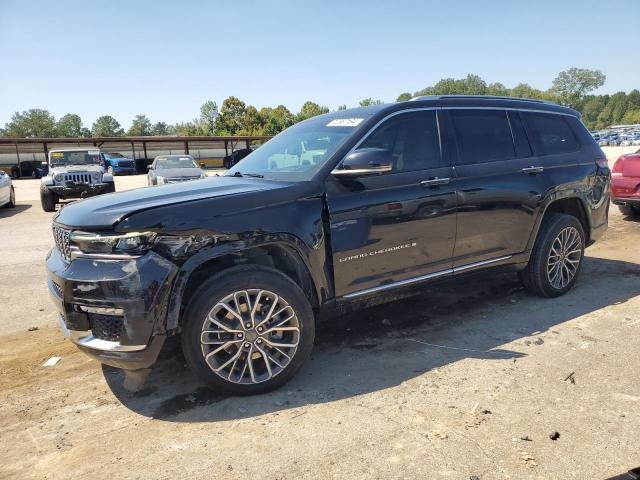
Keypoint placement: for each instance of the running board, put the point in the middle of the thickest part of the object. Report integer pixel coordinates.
(428, 276)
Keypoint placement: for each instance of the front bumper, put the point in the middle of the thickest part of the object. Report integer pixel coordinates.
(134, 291)
(78, 190)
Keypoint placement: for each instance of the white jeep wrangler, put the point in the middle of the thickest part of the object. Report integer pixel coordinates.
(74, 173)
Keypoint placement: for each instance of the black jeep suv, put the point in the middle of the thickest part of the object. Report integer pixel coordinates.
(349, 205)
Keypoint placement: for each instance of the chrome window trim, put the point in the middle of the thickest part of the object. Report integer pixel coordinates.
(440, 273)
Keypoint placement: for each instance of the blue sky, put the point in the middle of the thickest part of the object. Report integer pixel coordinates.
(164, 59)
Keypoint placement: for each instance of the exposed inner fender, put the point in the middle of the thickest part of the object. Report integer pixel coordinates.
(239, 248)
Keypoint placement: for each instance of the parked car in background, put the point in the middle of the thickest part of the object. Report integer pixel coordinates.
(117, 164)
(28, 168)
(174, 169)
(626, 141)
(635, 140)
(74, 173)
(625, 183)
(241, 265)
(7, 192)
(237, 155)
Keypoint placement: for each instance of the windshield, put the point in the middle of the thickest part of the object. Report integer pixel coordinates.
(76, 157)
(176, 162)
(298, 152)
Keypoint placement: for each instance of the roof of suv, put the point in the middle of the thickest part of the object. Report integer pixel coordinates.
(477, 101)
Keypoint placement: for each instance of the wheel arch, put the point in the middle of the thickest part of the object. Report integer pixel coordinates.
(569, 204)
(284, 256)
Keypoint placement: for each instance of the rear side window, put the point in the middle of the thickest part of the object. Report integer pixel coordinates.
(412, 138)
(483, 135)
(550, 133)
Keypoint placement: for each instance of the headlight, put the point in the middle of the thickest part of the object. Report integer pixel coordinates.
(58, 177)
(96, 175)
(133, 243)
(203, 175)
(161, 180)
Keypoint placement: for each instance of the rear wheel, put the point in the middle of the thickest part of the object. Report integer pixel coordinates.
(557, 255)
(12, 198)
(47, 199)
(247, 330)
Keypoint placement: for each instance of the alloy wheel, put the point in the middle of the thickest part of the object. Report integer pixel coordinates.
(564, 259)
(250, 336)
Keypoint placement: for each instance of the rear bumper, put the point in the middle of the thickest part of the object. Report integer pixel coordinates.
(113, 310)
(631, 201)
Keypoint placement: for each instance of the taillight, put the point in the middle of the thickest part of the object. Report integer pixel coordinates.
(618, 167)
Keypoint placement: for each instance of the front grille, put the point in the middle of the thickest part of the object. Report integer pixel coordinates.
(181, 179)
(56, 288)
(77, 177)
(63, 243)
(126, 164)
(106, 327)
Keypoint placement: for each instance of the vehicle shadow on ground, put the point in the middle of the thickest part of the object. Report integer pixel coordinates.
(15, 210)
(381, 347)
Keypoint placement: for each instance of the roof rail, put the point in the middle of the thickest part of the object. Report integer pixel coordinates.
(484, 97)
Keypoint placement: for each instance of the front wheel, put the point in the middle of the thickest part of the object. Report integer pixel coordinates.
(247, 330)
(557, 256)
(47, 199)
(110, 188)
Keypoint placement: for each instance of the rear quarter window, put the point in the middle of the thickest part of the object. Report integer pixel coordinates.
(551, 133)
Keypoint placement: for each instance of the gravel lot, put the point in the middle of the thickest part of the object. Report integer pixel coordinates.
(461, 382)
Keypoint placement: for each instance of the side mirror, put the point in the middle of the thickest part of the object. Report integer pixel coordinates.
(366, 161)
(44, 164)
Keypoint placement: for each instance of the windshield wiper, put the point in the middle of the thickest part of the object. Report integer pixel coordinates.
(254, 175)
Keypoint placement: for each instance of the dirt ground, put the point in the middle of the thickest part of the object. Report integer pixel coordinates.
(462, 382)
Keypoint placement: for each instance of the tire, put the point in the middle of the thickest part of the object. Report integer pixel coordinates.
(540, 278)
(12, 198)
(628, 210)
(47, 199)
(110, 188)
(247, 377)
(34, 174)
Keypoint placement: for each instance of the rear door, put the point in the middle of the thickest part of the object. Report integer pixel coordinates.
(400, 225)
(499, 185)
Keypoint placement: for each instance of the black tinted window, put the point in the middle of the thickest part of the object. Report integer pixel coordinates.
(483, 135)
(412, 138)
(550, 133)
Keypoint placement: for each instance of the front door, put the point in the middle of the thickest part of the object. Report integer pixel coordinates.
(399, 226)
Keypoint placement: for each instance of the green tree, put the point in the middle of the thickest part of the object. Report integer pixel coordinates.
(106, 126)
(497, 89)
(572, 85)
(140, 127)
(231, 116)
(403, 97)
(277, 119)
(252, 123)
(208, 117)
(70, 125)
(367, 102)
(31, 123)
(632, 116)
(186, 129)
(311, 109)
(160, 129)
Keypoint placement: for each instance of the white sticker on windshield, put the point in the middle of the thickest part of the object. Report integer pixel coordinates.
(345, 122)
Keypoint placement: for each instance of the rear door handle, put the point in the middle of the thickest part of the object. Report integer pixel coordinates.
(434, 182)
(533, 170)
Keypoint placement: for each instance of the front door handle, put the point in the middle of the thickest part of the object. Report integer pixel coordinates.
(533, 170)
(434, 182)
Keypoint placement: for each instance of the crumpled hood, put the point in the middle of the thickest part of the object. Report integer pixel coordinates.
(104, 211)
(179, 172)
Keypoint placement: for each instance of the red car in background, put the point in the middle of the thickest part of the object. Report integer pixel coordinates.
(625, 183)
